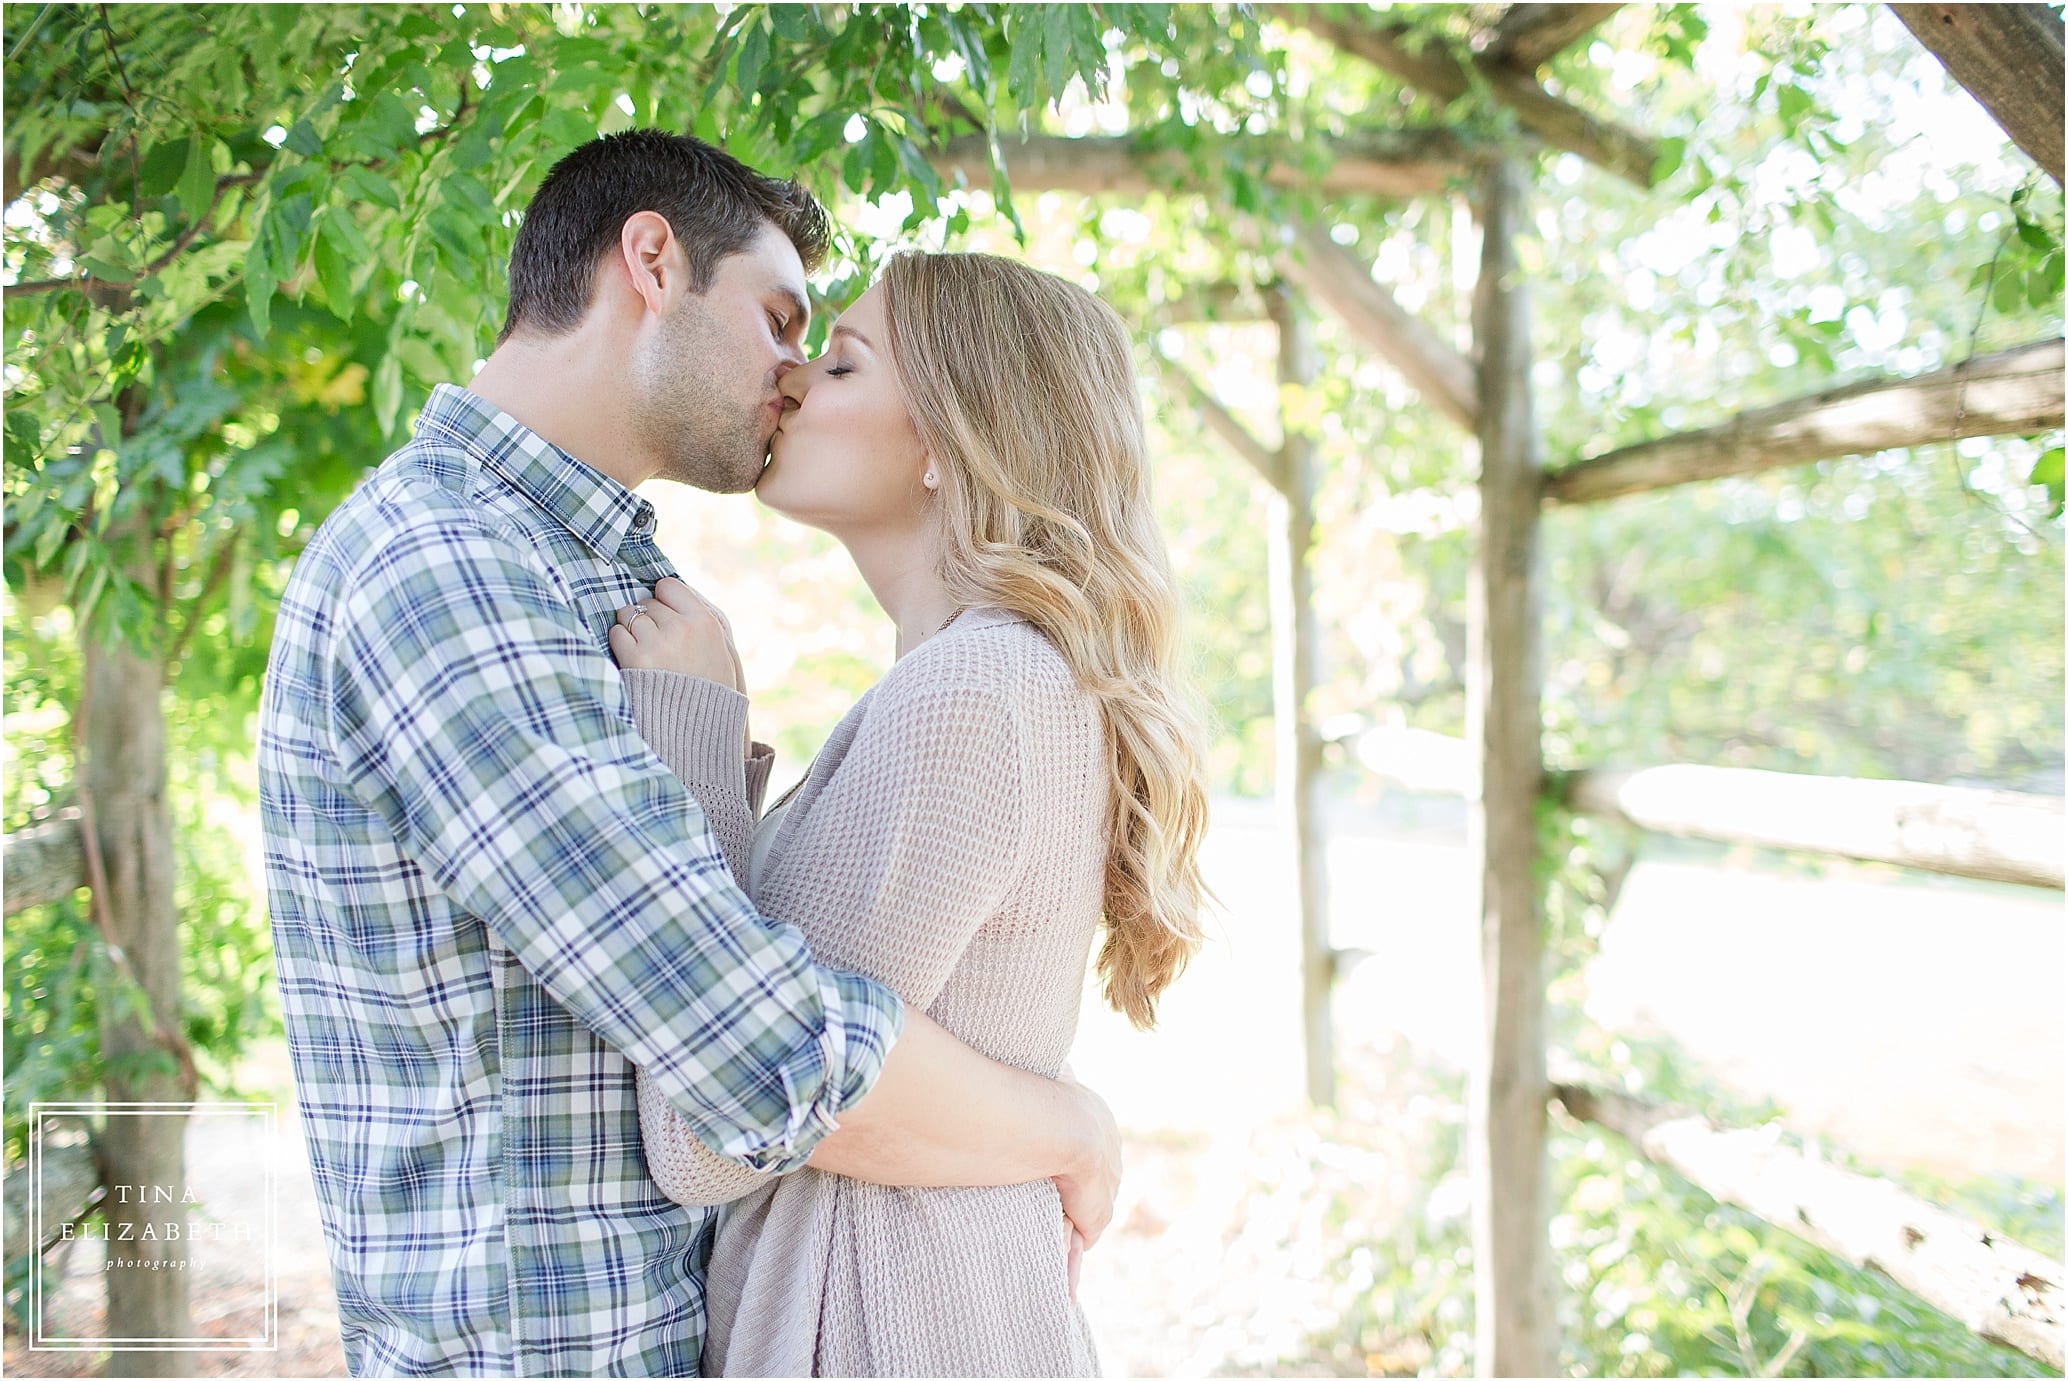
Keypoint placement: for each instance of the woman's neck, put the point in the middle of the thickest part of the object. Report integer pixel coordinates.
(903, 572)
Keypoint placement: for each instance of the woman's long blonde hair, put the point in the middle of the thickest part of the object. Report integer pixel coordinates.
(1022, 389)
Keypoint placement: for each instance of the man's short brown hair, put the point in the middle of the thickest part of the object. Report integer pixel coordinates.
(715, 204)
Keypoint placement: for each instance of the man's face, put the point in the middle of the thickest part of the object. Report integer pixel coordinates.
(704, 376)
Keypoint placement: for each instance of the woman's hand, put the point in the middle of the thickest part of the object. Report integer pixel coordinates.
(677, 630)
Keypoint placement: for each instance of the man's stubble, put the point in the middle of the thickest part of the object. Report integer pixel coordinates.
(708, 436)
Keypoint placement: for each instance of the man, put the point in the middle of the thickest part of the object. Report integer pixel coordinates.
(490, 899)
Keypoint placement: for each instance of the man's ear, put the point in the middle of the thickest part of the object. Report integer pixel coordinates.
(651, 259)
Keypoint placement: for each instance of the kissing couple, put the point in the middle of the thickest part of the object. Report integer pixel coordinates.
(601, 1075)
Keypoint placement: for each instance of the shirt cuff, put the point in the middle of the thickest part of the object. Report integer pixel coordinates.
(863, 1019)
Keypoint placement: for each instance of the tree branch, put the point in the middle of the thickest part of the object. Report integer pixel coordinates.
(1529, 36)
(2009, 58)
(1223, 424)
(1991, 395)
(1382, 162)
(2005, 1292)
(1331, 275)
(218, 572)
(1432, 68)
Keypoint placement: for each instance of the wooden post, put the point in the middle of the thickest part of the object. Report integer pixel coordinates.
(1295, 663)
(1507, 1124)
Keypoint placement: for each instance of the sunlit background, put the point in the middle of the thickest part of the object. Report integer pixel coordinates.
(1836, 208)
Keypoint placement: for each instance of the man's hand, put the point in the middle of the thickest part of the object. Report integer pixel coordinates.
(1088, 1187)
(678, 630)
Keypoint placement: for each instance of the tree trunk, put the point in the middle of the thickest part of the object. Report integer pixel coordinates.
(1296, 649)
(1517, 1328)
(2009, 59)
(122, 779)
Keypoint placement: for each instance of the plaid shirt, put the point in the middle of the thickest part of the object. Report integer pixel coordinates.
(489, 898)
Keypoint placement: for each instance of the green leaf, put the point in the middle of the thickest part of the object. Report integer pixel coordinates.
(387, 391)
(259, 285)
(1794, 104)
(753, 54)
(2047, 470)
(159, 167)
(364, 184)
(197, 181)
(564, 129)
(2007, 292)
(1671, 151)
(1023, 75)
(1055, 50)
(334, 272)
(303, 139)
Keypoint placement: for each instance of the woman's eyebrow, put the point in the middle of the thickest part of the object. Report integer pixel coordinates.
(841, 328)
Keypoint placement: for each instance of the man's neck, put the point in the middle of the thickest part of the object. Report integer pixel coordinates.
(571, 392)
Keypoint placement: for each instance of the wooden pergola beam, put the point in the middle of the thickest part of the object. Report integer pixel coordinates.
(1506, 1122)
(1528, 36)
(2012, 391)
(1332, 276)
(2009, 59)
(1392, 163)
(1265, 460)
(44, 863)
(1432, 69)
(2004, 836)
(2004, 1292)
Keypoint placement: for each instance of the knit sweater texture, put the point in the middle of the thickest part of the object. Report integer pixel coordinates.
(949, 840)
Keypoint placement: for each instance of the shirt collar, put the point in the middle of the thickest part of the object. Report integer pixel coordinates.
(591, 505)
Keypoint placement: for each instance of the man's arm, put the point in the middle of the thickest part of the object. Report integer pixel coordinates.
(941, 1114)
(472, 709)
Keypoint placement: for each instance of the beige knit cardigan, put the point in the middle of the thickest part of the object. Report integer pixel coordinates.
(949, 840)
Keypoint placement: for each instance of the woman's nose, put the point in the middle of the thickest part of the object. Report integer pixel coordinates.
(793, 385)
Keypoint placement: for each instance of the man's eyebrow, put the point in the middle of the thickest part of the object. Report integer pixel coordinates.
(800, 309)
(841, 328)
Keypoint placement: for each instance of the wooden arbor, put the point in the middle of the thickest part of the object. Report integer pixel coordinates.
(2002, 1291)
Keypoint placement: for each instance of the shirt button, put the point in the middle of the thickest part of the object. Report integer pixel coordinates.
(643, 524)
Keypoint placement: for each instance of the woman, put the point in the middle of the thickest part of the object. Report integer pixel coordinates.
(973, 436)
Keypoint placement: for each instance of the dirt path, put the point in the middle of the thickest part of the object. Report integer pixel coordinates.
(1914, 1023)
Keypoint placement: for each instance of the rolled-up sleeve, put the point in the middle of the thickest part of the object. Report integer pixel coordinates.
(474, 712)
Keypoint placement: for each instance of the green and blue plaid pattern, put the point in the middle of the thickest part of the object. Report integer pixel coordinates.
(489, 899)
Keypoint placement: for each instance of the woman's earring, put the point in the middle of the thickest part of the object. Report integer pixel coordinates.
(930, 481)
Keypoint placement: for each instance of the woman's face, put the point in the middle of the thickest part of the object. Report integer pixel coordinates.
(845, 457)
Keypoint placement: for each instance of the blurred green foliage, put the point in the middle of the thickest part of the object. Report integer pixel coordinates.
(272, 228)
